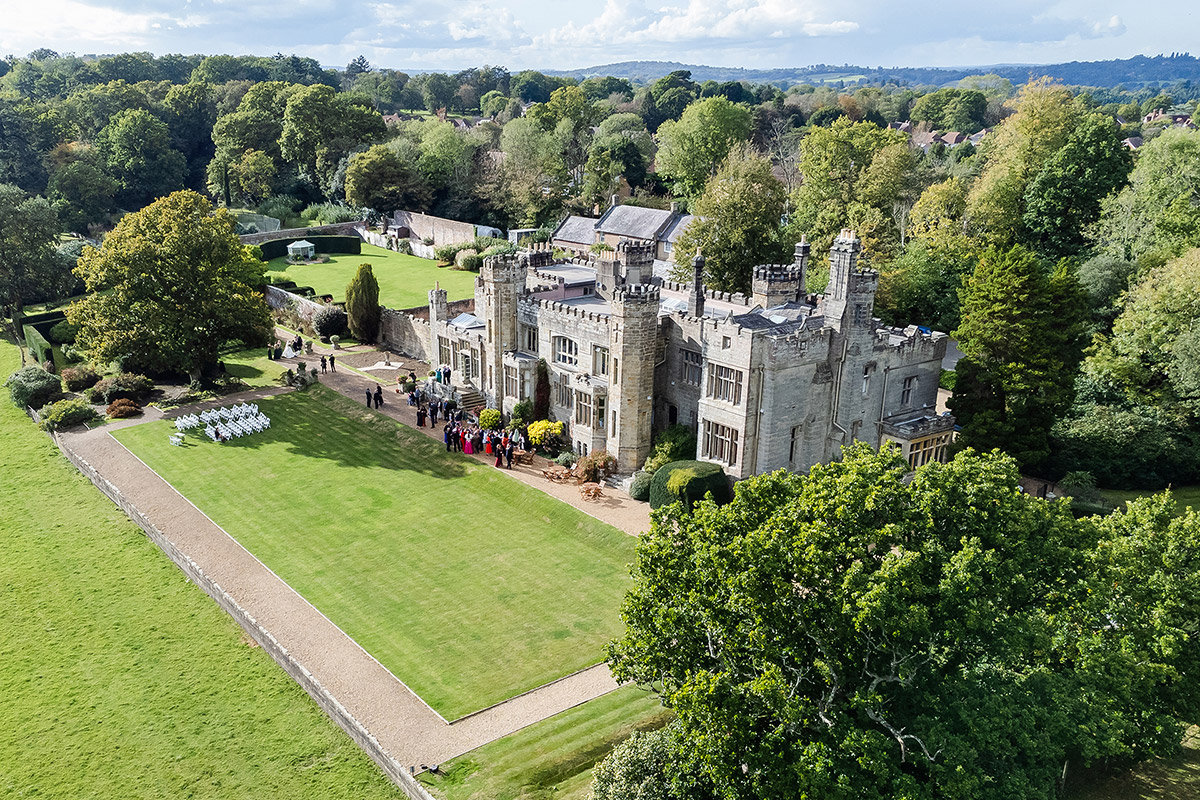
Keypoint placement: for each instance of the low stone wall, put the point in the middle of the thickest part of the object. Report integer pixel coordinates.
(328, 703)
(303, 307)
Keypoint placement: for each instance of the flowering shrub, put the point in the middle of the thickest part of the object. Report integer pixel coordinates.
(489, 419)
(543, 431)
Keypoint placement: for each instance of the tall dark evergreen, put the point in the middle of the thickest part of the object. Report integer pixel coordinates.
(362, 304)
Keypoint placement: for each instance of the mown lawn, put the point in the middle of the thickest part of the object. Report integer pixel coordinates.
(118, 678)
(468, 585)
(1166, 778)
(553, 758)
(404, 281)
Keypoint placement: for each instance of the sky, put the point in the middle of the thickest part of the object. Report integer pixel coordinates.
(552, 34)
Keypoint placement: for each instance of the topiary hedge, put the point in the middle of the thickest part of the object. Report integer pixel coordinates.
(39, 347)
(32, 386)
(277, 248)
(639, 488)
(688, 481)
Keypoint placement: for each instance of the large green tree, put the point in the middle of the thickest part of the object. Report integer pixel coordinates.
(691, 149)
(737, 224)
(1063, 200)
(858, 633)
(382, 179)
(1021, 336)
(136, 147)
(362, 304)
(28, 266)
(169, 287)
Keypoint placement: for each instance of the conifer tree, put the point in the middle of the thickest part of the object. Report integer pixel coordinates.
(362, 304)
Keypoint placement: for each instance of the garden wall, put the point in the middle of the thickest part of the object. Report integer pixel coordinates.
(406, 333)
(286, 301)
(443, 231)
(328, 703)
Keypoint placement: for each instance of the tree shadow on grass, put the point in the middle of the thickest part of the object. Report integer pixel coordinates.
(320, 423)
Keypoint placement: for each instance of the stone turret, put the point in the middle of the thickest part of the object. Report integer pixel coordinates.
(633, 344)
(801, 262)
(501, 281)
(849, 300)
(776, 284)
(636, 258)
(438, 305)
(696, 295)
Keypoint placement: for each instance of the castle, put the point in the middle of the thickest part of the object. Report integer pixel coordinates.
(774, 379)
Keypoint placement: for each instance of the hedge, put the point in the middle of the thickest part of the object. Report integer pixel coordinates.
(688, 481)
(122, 385)
(639, 488)
(277, 248)
(39, 347)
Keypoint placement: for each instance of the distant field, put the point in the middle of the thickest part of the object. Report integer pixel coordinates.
(404, 281)
(471, 587)
(118, 677)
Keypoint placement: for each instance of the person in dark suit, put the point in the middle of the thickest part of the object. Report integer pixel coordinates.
(370, 397)
(378, 396)
(446, 431)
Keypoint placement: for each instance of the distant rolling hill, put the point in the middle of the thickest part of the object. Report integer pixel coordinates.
(1130, 72)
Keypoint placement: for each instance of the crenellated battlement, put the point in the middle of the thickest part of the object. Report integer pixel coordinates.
(637, 294)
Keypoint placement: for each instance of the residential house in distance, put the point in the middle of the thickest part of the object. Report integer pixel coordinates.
(773, 379)
(577, 235)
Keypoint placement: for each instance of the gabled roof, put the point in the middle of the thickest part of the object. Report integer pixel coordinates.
(677, 226)
(577, 230)
(635, 222)
(302, 243)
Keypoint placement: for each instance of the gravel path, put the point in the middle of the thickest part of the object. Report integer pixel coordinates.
(407, 728)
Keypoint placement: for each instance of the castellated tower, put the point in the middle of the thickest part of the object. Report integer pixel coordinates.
(636, 258)
(633, 339)
(776, 284)
(849, 301)
(438, 306)
(801, 262)
(501, 281)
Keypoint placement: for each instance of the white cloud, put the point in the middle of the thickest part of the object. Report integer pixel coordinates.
(28, 26)
(830, 28)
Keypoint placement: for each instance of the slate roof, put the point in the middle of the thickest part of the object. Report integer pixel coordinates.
(634, 222)
(577, 230)
(676, 228)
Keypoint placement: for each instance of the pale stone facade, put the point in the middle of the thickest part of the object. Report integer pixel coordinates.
(777, 379)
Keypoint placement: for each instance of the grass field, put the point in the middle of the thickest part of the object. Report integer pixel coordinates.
(553, 758)
(468, 585)
(1185, 496)
(119, 678)
(404, 281)
(1167, 778)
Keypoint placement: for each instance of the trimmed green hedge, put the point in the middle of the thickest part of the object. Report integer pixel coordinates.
(639, 488)
(277, 248)
(41, 349)
(688, 481)
(66, 413)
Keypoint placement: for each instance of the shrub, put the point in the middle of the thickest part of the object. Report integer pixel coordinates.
(32, 386)
(63, 333)
(71, 354)
(676, 443)
(281, 206)
(427, 240)
(470, 263)
(76, 379)
(695, 480)
(122, 385)
(462, 255)
(122, 408)
(447, 252)
(522, 412)
(544, 431)
(362, 304)
(503, 248)
(541, 391)
(639, 489)
(595, 467)
(331, 213)
(48, 365)
(66, 413)
(330, 321)
(404, 247)
(565, 459)
(489, 419)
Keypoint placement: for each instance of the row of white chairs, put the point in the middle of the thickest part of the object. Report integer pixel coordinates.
(223, 431)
